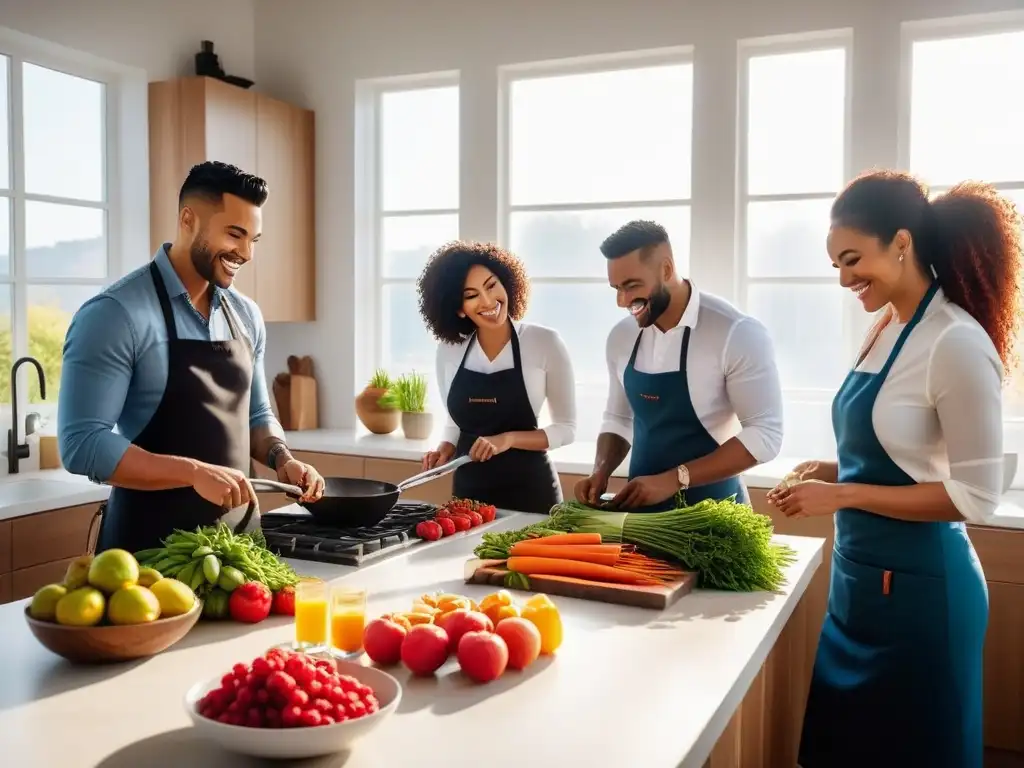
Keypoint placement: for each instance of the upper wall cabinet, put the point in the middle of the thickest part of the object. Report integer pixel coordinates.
(194, 119)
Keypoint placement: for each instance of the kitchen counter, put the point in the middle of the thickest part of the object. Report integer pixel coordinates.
(28, 493)
(628, 687)
(574, 459)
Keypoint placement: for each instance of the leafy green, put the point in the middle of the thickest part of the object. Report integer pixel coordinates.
(727, 543)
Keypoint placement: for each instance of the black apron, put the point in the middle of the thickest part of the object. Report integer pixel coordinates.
(203, 415)
(487, 404)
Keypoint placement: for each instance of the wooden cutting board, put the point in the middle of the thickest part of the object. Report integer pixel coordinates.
(490, 572)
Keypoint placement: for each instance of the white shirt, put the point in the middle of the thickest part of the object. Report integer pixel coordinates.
(730, 368)
(547, 371)
(939, 413)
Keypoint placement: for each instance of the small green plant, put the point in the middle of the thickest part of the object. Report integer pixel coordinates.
(380, 379)
(407, 393)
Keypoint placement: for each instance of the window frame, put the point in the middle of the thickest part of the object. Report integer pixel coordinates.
(854, 324)
(370, 215)
(584, 65)
(125, 198)
(975, 25)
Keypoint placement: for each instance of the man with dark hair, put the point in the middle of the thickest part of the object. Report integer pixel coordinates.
(694, 397)
(163, 394)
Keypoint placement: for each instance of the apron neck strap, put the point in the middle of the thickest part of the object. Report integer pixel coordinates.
(165, 301)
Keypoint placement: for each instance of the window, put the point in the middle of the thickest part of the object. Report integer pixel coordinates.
(793, 117)
(954, 79)
(54, 206)
(587, 152)
(418, 207)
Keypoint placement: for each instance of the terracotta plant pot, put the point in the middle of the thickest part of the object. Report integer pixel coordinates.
(380, 421)
(417, 426)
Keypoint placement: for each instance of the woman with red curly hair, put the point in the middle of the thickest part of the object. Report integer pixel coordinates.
(918, 422)
(495, 373)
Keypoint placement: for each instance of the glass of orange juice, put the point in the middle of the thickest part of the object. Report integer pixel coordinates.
(311, 614)
(348, 619)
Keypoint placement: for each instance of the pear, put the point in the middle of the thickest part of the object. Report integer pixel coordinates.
(78, 572)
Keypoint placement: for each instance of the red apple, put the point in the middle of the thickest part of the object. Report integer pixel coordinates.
(424, 649)
(461, 622)
(382, 641)
(483, 656)
(523, 640)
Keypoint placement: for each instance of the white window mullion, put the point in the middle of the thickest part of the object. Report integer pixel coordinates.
(19, 267)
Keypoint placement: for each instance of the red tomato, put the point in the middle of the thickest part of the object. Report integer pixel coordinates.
(284, 601)
(250, 602)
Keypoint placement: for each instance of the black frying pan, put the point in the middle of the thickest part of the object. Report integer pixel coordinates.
(354, 502)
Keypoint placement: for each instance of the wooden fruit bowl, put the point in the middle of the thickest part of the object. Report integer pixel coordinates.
(111, 642)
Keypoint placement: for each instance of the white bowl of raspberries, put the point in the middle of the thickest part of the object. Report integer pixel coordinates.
(292, 706)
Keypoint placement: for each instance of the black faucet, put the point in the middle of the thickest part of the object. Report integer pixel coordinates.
(16, 451)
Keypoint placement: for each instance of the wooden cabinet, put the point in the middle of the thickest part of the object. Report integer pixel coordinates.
(194, 119)
(35, 549)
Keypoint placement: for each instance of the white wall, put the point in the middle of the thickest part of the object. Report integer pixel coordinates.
(313, 51)
(159, 36)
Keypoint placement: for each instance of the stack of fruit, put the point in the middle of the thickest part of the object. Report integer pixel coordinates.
(485, 638)
(110, 588)
(282, 689)
(454, 517)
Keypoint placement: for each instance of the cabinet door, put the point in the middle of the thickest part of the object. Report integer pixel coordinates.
(285, 256)
(231, 138)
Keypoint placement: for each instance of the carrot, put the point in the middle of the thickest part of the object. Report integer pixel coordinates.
(554, 566)
(568, 538)
(603, 554)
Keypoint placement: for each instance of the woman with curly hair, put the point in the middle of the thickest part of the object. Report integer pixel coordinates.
(495, 373)
(918, 423)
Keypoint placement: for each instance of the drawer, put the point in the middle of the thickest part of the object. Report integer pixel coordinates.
(5, 547)
(26, 581)
(6, 588)
(49, 536)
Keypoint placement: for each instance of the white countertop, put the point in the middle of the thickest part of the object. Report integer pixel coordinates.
(629, 686)
(28, 493)
(577, 458)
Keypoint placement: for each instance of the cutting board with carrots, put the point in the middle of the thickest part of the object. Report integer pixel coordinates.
(658, 597)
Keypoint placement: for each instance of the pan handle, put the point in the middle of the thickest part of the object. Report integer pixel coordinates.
(433, 474)
(272, 485)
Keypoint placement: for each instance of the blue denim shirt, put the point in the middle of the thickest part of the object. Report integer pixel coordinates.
(115, 364)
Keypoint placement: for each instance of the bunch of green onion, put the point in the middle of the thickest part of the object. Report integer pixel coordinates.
(726, 543)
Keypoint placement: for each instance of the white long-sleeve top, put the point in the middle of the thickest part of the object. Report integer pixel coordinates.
(939, 413)
(547, 371)
(730, 368)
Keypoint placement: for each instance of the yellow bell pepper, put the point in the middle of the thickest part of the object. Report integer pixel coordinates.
(544, 615)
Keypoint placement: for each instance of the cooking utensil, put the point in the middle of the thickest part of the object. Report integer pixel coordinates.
(354, 502)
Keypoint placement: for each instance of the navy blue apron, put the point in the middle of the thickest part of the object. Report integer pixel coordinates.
(486, 404)
(667, 432)
(898, 675)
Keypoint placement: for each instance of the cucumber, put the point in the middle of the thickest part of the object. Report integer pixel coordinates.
(230, 578)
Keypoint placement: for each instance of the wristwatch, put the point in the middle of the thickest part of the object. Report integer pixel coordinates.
(274, 453)
(683, 476)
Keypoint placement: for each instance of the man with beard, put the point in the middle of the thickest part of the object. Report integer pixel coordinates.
(696, 391)
(162, 393)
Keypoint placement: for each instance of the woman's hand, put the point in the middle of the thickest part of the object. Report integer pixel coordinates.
(808, 498)
(488, 447)
(442, 455)
(805, 470)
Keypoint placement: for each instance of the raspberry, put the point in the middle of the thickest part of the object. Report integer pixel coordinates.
(324, 706)
(310, 718)
(313, 688)
(299, 698)
(340, 713)
(281, 682)
(291, 716)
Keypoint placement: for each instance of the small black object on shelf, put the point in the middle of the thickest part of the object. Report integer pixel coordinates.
(208, 65)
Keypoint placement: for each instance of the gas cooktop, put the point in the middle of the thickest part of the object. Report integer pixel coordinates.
(292, 532)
